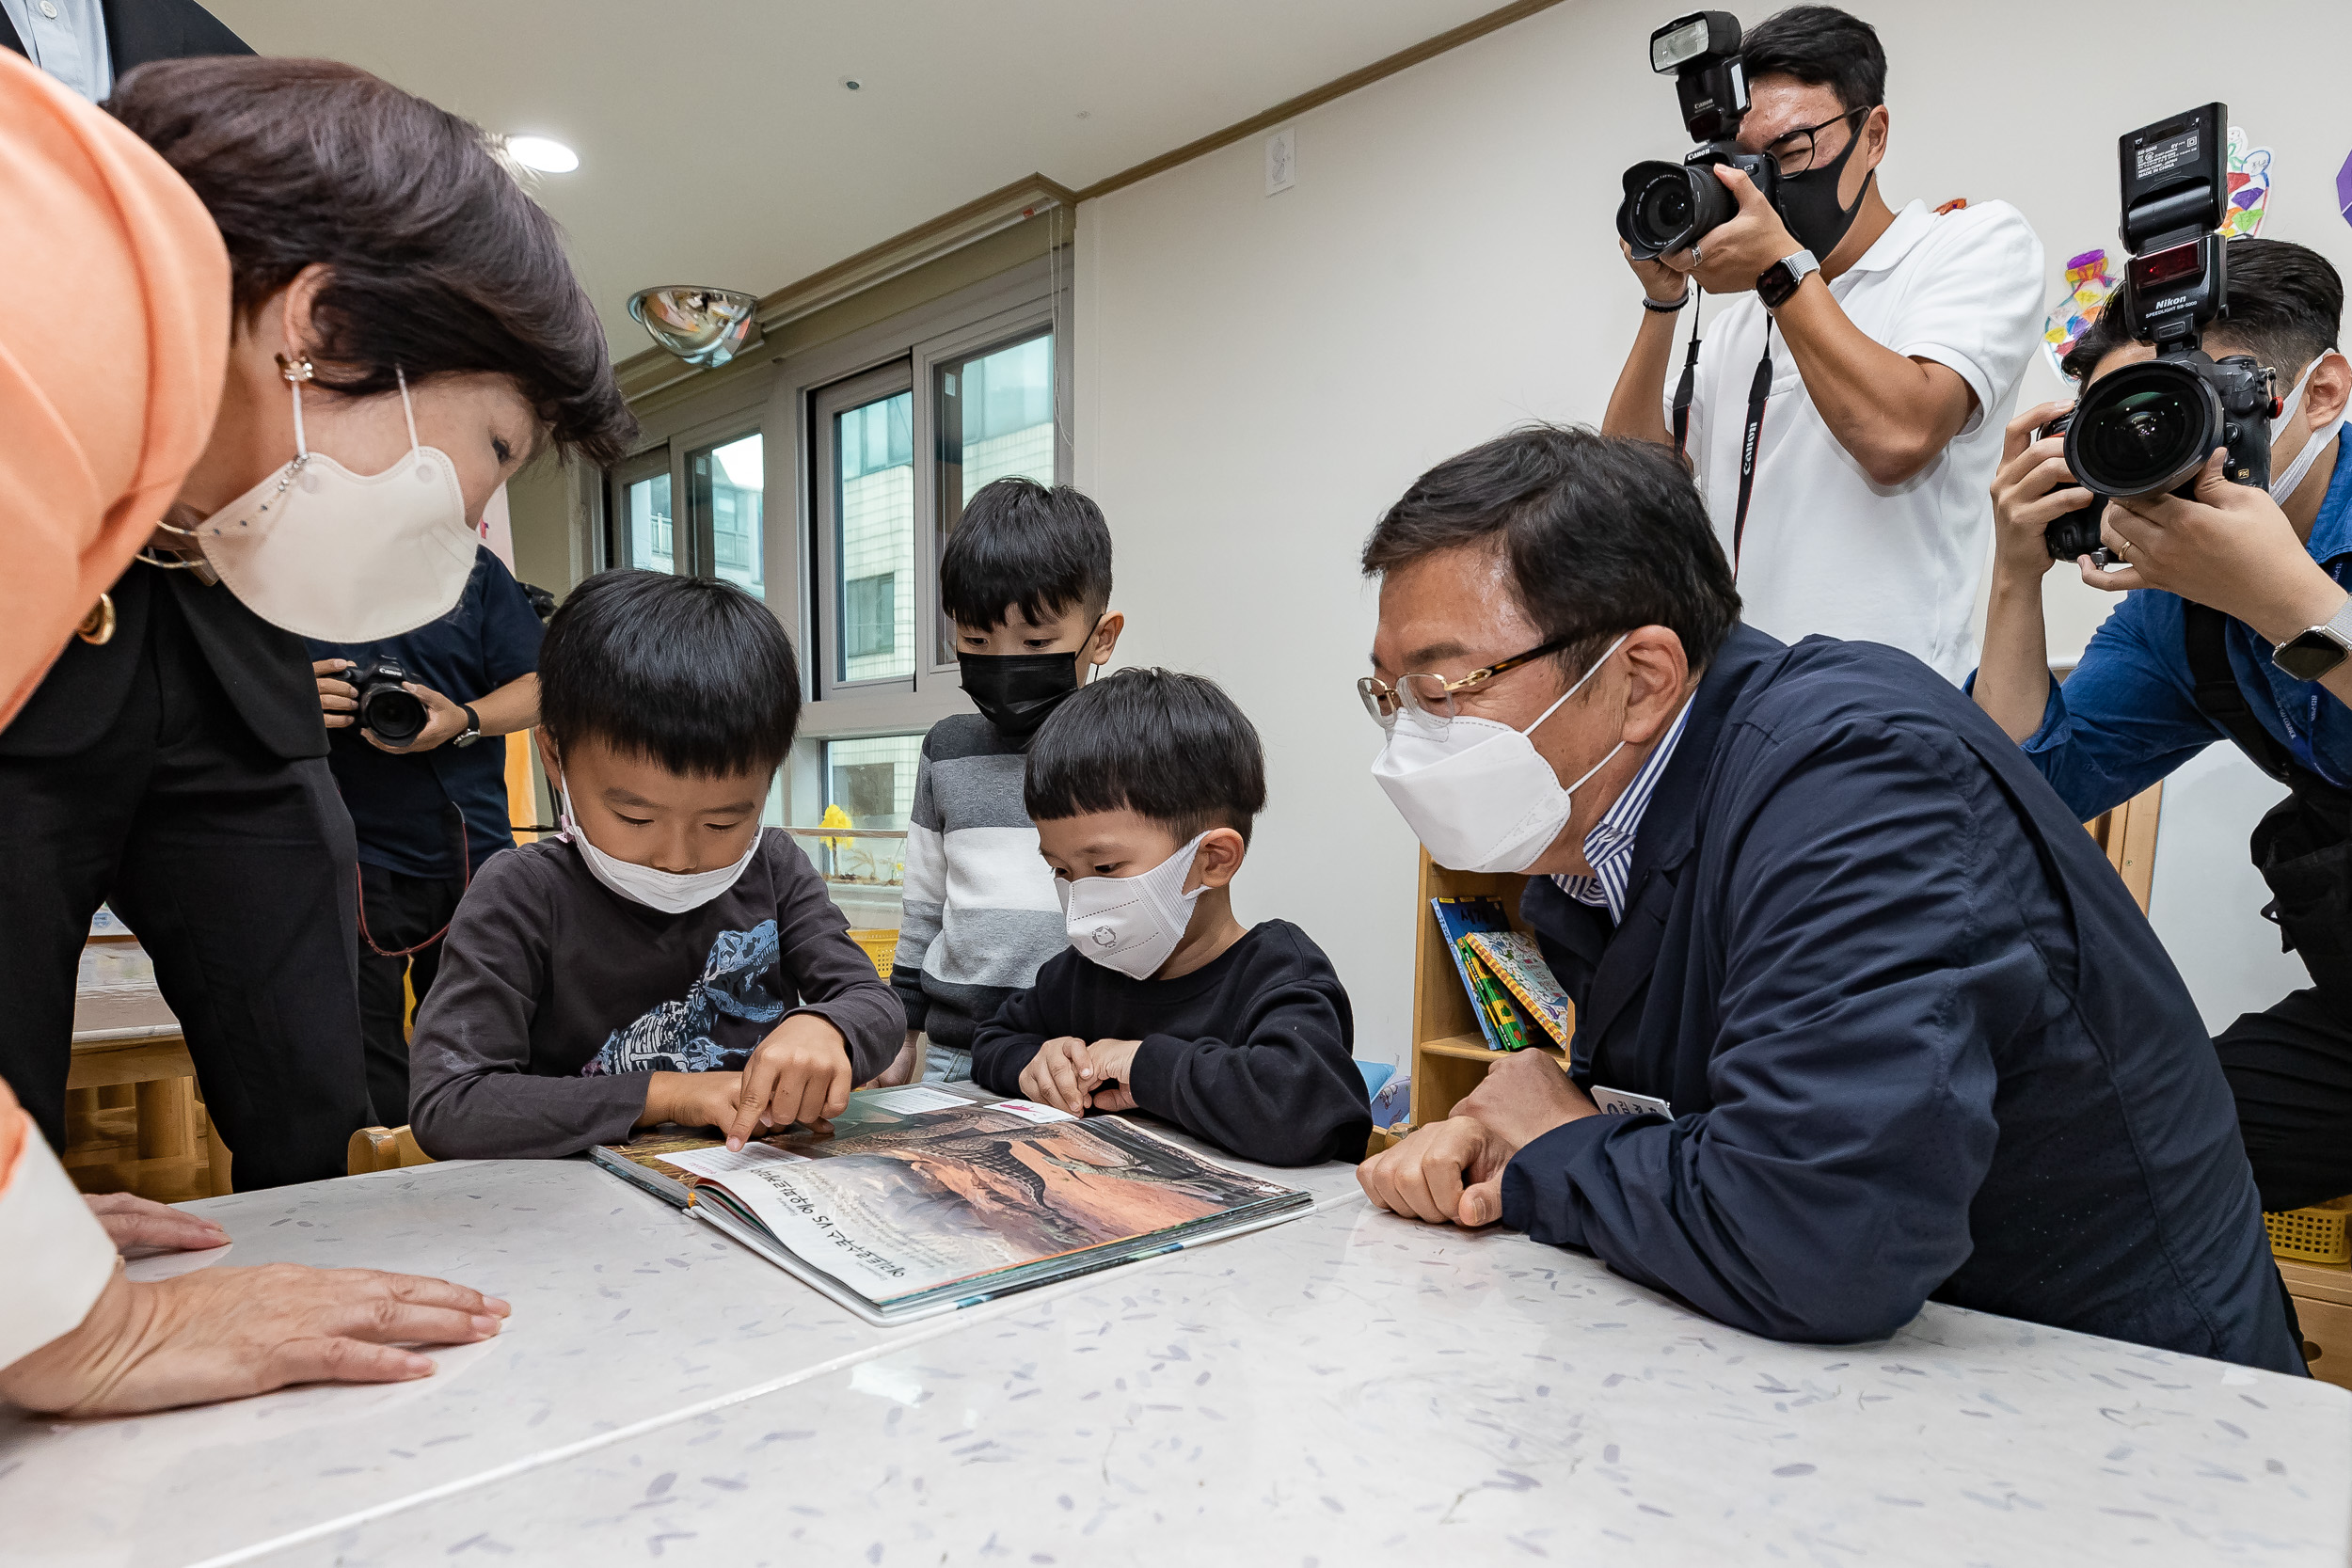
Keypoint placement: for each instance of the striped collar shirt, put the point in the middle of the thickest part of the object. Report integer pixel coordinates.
(1609, 847)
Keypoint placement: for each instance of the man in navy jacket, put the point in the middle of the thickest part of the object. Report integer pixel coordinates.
(1879, 1023)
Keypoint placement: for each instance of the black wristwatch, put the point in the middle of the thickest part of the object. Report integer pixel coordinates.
(2317, 652)
(473, 727)
(1775, 283)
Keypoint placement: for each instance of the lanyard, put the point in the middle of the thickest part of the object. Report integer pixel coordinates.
(1759, 390)
(1690, 378)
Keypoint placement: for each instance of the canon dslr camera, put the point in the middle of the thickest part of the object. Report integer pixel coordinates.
(2148, 428)
(1669, 207)
(388, 710)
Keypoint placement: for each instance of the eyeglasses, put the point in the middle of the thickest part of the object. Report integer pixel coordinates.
(1794, 151)
(1433, 695)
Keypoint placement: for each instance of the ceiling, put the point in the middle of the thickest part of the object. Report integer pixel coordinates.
(718, 144)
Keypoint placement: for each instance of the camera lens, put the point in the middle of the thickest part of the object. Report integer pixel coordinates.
(1663, 209)
(391, 715)
(2143, 429)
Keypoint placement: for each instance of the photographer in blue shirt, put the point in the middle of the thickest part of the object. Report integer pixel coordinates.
(2234, 626)
(429, 803)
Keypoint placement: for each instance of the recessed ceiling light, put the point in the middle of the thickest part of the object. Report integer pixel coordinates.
(852, 83)
(539, 152)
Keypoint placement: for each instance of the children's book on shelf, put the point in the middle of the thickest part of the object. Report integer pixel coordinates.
(1497, 1016)
(1518, 963)
(925, 1198)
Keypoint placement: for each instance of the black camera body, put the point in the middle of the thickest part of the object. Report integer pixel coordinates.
(1670, 207)
(2147, 429)
(388, 710)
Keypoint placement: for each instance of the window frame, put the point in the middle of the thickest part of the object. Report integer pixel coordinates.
(780, 403)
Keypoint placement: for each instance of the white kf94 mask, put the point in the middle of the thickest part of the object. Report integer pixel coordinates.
(1477, 793)
(2285, 484)
(344, 557)
(1131, 924)
(671, 892)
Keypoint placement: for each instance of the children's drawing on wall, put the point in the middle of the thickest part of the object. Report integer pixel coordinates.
(2250, 187)
(2089, 285)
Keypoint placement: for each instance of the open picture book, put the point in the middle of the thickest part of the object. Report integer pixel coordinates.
(930, 1198)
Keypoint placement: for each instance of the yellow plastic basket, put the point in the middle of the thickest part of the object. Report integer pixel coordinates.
(879, 945)
(2314, 1235)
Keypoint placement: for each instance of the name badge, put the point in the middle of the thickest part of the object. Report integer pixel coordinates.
(1622, 1103)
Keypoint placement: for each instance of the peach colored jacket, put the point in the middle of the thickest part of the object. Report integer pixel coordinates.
(114, 343)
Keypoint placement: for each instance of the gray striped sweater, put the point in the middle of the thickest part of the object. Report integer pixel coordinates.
(980, 914)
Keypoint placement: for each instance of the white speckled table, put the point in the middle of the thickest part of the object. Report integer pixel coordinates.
(1348, 1388)
(625, 1312)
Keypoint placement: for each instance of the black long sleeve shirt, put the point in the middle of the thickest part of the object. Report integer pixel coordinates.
(1251, 1051)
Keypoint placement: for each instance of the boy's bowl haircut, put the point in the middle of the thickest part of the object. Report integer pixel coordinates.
(1168, 746)
(1019, 542)
(693, 673)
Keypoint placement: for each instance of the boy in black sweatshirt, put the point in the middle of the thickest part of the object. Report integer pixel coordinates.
(1143, 786)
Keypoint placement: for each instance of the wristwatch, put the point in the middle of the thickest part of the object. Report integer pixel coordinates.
(2319, 650)
(473, 727)
(1775, 283)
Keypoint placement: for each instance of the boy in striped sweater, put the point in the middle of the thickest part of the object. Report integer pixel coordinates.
(1026, 579)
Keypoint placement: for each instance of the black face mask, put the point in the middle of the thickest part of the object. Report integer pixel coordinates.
(1015, 692)
(1807, 203)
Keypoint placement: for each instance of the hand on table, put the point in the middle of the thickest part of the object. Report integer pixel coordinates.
(222, 1334)
(1453, 1169)
(901, 1067)
(1071, 1075)
(801, 1072)
(130, 1221)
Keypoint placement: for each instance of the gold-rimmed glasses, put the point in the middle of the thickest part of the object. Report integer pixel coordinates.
(1433, 695)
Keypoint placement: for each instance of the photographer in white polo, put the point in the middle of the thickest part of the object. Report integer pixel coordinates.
(1875, 354)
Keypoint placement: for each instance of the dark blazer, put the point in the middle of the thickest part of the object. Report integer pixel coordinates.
(264, 670)
(138, 31)
(1918, 1041)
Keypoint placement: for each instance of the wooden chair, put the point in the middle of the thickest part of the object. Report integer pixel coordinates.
(2128, 835)
(375, 1149)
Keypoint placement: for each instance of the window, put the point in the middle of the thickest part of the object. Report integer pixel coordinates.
(873, 780)
(727, 482)
(724, 483)
(869, 614)
(995, 417)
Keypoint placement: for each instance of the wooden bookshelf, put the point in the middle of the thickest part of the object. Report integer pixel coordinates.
(1450, 1056)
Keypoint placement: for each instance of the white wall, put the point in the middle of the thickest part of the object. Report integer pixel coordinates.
(1257, 377)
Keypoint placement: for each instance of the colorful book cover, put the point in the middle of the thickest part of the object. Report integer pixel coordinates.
(1497, 1017)
(1516, 961)
(1502, 1010)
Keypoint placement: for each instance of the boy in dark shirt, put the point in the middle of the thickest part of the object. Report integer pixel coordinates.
(667, 958)
(1143, 786)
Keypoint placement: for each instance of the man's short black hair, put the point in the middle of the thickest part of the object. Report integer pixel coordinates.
(2285, 307)
(1820, 46)
(1168, 746)
(692, 674)
(1019, 542)
(1601, 534)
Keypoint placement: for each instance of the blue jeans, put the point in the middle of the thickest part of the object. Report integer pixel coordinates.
(944, 1064)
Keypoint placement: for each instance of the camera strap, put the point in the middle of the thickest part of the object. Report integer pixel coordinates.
(1760, 391)
(1690, 378)
(2205, 639)
(464, 872)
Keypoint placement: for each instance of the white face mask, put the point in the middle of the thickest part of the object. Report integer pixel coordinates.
(2316, 442)
(671, 892)
(1131, 924)
(342, 556)
(1475, 792)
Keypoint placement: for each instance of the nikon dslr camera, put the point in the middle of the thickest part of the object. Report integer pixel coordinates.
(2148, 428)
(1670, 207)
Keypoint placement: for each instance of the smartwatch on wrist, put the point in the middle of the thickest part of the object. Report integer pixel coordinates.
(472, 731)
(1775, 283)
(2319, 649)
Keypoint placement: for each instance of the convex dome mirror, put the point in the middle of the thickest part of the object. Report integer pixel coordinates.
(702, 327)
